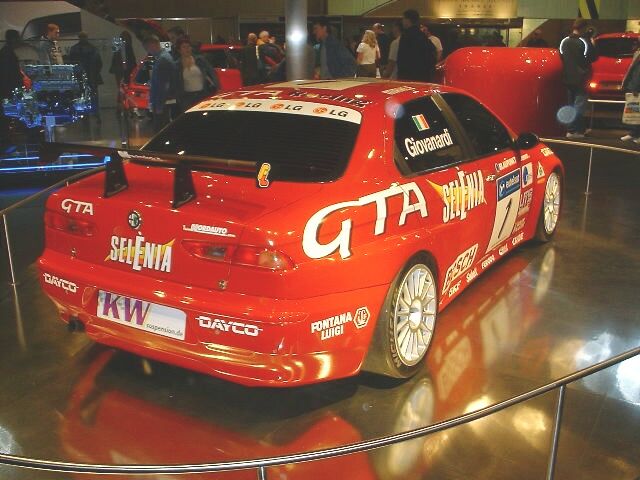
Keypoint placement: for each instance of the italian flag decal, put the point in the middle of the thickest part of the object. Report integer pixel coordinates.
(421, 123)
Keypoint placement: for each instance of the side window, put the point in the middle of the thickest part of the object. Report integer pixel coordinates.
(423, 137)
(486, 133)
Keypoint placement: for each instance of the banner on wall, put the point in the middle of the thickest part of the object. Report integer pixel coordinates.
(471, 8)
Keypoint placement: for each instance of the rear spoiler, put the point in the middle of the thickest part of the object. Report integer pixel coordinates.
(115, 180)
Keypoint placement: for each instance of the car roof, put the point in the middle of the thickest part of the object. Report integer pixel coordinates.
(355, 92)
(618, 35)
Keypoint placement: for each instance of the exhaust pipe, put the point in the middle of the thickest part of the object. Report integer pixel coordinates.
(75, 325)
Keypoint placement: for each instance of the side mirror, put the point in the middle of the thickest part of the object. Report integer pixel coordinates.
(526, 141)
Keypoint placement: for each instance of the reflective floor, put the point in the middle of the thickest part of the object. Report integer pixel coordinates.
(541, 313)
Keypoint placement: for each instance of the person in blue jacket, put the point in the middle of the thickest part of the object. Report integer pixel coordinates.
(335, 61)
(162, 85)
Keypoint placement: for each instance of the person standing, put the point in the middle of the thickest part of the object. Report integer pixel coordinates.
(196, 78)
(576, 70)
(10, 79)
(250, 61)
(49, 52)
(536, 40)
(383, 44)
(631, 84)
(416, 54)
(175, 33)
(162, 83)
(391, 70)
(435, 40)
(368, 53)
(119, 68)
(335, 61)
(87, 56)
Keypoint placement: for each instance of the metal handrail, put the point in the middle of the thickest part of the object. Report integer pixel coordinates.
(591, 145)
(358, 447)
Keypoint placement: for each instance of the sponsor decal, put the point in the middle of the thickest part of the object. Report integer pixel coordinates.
(321, 84)
(472, 275)
(280, 106)
(65, 285)
(361, 317)
(525, 202)
(503, 249)
(393, 91)
(227, 325)
(461, 264)
(76, 206)
(354, 102)
(519, 225)
(455, 289)
(142, 315)
(525, 156)
(488, 261)
(263, 175)
(541, 173)
(420, 122)
(425, 145)
(334, 326)
(517, 239)
(508, 194)
(461, 195)
(509, 162)
(141, 254)
(208, 230)
(546, 151)
(527, 175)
(134, 219)
(341, 243)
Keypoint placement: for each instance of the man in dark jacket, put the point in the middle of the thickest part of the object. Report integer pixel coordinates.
(335, 59)
(383, 44)
(631, 84)
(10, 79)
(87, 56)
(416, 54)
(162, 85)
(250, 62)
(577, 55)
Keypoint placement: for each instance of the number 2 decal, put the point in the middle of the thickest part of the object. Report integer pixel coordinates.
(508, 188)
(506, 216)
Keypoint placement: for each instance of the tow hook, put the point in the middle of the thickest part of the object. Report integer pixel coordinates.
(75, 325)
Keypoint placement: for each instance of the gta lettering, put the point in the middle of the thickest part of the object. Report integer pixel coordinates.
(488, 261)
(69, 205)
(239, 328)
(460, 265)
(341, 243)
(461, 195)
(517, 239)
(65, 285)
(332, 326)
(429, 144)
(141, 254)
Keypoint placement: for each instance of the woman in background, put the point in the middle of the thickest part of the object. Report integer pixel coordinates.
(196, 78)
(368, 53)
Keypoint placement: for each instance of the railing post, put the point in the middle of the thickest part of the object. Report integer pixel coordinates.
(587, 191)
(553, 454)
(6, 236)
(262, 473)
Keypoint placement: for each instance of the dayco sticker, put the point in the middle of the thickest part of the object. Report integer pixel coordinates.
(292, 107)
(461, 264)
(227, 325)
(65, 285)
(69, 205)
(461, 195)
(314, 249)
(140, 254)
(334, 326)
(425, 145)
(208, 230)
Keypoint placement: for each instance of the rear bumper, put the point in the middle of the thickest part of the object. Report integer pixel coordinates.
(293, 346)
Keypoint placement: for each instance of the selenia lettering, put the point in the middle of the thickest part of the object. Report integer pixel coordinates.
(314, 249)
(141, 254)
(461, 195)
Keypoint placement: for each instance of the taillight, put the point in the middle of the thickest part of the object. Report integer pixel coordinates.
(73, 226)
(261, 257)
(593, 85)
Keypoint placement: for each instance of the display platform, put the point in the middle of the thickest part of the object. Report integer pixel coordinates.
(537, 315)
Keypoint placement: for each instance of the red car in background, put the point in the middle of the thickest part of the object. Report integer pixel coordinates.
(299, 231)
(225, 60)
(615, 51)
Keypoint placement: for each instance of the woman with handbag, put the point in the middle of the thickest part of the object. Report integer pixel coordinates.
(368, 54)
(631, 85)
(196, 78)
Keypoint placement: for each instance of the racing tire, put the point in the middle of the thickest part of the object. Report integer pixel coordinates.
(406, 322)
(550, 210)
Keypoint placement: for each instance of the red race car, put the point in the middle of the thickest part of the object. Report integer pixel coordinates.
(297, 232)
(224, 58)
(615, 51)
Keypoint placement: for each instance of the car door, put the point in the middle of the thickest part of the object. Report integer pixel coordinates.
(493, 149)
(430, 147)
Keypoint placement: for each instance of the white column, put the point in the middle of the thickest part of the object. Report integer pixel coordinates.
(295, 14)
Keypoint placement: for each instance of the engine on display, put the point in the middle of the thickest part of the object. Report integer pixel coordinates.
(58, 91)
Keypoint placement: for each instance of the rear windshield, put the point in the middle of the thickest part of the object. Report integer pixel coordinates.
(615, 47)
(299, 148)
